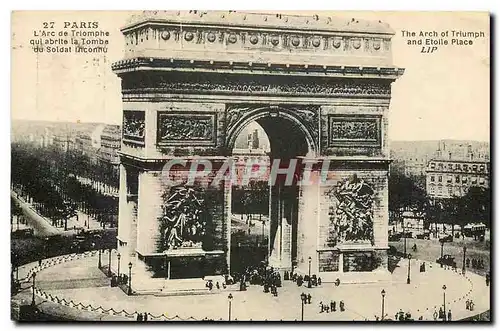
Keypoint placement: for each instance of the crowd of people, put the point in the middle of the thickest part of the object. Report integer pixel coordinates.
(475, 263)
(332, 307)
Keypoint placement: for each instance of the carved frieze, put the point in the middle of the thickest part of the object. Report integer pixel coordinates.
(133, 126)
(186, 128)
(201, 83)
(354, 130)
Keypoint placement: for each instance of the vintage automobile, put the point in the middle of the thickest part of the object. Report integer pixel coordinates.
(425, 235)
(395, 237)
(448, 238)
(447, 260)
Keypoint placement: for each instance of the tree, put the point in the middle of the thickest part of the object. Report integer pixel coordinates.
(405, 194)
(477, 205)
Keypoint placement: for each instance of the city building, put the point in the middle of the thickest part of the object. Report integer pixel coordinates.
(110, 140)
(452, 176)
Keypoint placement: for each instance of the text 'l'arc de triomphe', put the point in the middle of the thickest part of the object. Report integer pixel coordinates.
(319, 86)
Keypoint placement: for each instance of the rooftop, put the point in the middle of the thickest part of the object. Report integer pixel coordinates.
(233, 18)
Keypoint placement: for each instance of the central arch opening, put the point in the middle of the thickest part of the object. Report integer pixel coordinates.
(264, 216)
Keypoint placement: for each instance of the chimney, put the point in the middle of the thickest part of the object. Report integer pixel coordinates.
(469, 152)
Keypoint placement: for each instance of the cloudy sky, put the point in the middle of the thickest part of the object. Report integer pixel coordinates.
(444, 95)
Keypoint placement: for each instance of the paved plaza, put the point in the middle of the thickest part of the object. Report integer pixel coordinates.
(81, 282)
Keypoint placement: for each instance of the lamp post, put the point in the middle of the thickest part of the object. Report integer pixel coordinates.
(444, 301)
(409, 264)
(383, 304)
(404, 236)
(303, 300)
(442, 247)
(99, 264)
(118, 271)
(463, 263)
(309, 283)
(130, 278)
(33, 297)
(109, 263)
(230, 299)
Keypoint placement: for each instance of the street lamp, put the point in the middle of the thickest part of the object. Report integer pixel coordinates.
(463, 265)
(303, 300)
(409, 264)
(230, 299)
(309, 283)
(444, 301)
(99, 265)
(118, 271)
(130, 278)
(109, 263)
(383, 302)
(33, 297)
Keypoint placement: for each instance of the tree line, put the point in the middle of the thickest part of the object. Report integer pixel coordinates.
(405, 194)
(47, 177)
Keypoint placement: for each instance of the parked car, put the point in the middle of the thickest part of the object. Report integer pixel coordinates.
(395, 237)
(448, 238)
(447, 260)
(425, 235)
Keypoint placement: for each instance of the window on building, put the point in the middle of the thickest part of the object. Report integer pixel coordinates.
(464, 180)
(474, 180)
(457, 179)
(457, 166)
(481, 181)
(440, 179)
(440, 166)
(465, 167)
(474, 167)
(433, 165)
(440, 190)
(450, 190)
(450, 179)
(433, 189)
(481, 167)
(450, 166)
(432, 178)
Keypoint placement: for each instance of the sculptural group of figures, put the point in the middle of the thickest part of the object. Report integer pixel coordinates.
(183, 219)
(353, 217)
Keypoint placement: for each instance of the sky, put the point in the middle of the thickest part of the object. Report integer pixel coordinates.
(444, 95)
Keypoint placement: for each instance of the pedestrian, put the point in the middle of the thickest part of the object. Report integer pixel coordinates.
(321, 307)
(467, 262)
(467, 304)
(217, 285)
(139, 317)
(332, 305)
(435, 315)
(327, 308)
(40, 262)
(319, 280)
(341, 305)
(309, 297)
(449, 315)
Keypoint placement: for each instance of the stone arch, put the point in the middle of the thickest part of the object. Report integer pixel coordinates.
(259, 114)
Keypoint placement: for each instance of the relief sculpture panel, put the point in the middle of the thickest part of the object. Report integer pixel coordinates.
(133, 125)
(352, 217)
(354, 131)
(186, 128)
(183, 223)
